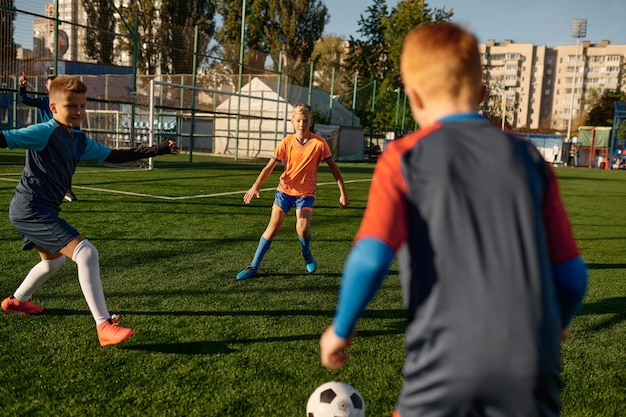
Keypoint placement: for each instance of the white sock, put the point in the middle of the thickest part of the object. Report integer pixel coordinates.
(88, 262)
(37, 276)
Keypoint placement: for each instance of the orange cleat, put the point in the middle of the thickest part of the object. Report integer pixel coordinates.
(111, 333)
(13, 305)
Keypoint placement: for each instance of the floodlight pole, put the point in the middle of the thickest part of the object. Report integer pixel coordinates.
(579, 30)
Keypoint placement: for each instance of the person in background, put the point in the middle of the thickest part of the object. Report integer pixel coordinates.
(54, 149)
(490, 270)
(43, 107)
(301, 154)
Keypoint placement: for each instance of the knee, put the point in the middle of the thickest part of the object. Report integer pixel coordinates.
(54, 265)
(85, 250)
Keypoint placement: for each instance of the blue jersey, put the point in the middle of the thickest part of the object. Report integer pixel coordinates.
(51, 159)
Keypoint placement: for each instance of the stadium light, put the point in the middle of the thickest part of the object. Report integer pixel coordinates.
(579, 31)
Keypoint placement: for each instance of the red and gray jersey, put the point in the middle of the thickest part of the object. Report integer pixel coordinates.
(476, 221)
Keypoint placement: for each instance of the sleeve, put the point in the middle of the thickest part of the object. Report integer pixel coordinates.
(29, 101)
(385, 214)
(280, 153)
(326, 154)
(364, 272)
(34, 137)
(120, 156)
(561, 242)
(570, 279)
(95, 151)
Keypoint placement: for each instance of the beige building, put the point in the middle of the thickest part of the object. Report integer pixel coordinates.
(539, 87)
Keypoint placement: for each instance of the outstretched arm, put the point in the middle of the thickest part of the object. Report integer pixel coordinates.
(120, 156)
(255, 190)
(363, 273)
(343, 197)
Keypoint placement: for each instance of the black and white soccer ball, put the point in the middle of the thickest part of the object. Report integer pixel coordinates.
(335, 399)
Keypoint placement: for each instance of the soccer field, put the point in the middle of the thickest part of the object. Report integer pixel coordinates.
(171, 241)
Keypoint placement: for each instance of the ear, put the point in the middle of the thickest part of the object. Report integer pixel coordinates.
(415, 98)
(483, 93)
(53, 107)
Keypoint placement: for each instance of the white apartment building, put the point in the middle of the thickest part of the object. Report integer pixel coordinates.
(542, 86)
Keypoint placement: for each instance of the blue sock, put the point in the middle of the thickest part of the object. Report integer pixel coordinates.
(306, 244)
(264, 245)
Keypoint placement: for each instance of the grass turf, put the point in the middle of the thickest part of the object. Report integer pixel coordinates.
(209, 345)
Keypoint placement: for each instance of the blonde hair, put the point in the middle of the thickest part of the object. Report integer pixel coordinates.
(302, 108)
(67, 84)
(443, 59)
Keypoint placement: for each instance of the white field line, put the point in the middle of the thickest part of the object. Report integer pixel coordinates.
(189, 197)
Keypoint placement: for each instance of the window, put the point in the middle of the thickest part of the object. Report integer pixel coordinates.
(547, 92)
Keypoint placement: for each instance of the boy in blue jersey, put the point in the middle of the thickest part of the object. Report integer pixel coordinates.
(54, 149)
(491, 273)
(43, 107)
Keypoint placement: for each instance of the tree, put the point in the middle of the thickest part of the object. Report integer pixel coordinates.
(166, 34)
(603, 108)
(8, 50)
(101, 14)
(273, 27)
(327, 56)
(376, 56)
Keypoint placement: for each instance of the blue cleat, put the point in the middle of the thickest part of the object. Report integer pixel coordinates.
(309, 260)
(249, 272)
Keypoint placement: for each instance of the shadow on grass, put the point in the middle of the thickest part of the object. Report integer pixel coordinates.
(186, 348)
(606, 266)
(614, 307)
(223, 347)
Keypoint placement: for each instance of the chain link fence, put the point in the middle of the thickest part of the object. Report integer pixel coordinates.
(204, 102)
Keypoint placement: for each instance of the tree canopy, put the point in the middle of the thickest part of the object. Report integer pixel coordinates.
(375, 58)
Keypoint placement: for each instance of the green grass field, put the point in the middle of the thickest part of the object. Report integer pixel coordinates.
(171, 241)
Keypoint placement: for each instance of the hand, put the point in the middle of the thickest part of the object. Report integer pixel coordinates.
(331, 349)
(250, 194)
(168, 147)
(343, 201)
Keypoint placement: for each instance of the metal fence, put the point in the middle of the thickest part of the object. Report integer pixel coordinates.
(117, 58)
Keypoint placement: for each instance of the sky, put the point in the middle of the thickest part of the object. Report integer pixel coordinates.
(541, 22)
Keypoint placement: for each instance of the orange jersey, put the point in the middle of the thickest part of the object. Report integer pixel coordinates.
(301, 162)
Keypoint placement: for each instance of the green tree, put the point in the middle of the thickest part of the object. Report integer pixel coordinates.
(376, 56)
(273, 27)
(327, 56)
(165, 33)
(101, 14)
(8, 50)
(603, 108)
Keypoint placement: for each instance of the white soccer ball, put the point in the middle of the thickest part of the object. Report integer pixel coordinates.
(335, 399)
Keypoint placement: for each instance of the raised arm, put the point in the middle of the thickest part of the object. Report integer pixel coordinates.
(120, 156)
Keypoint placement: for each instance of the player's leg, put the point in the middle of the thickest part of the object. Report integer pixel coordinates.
(303, 228)
(304, 213)
(21, 300)
(87, 259)
(279, 212)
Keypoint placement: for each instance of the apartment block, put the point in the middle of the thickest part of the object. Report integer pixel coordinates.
(540, 87)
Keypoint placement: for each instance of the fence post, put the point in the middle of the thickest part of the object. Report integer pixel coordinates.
(192, 126)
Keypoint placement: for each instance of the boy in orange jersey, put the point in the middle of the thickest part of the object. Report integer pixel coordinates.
(490, 269)
(301, 154)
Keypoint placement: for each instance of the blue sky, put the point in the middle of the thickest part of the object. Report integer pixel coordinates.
(542, 22)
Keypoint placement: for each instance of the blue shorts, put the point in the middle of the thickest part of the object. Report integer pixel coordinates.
(286, 202)
(45, 230)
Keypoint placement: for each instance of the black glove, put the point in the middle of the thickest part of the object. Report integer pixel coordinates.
(163, 148)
